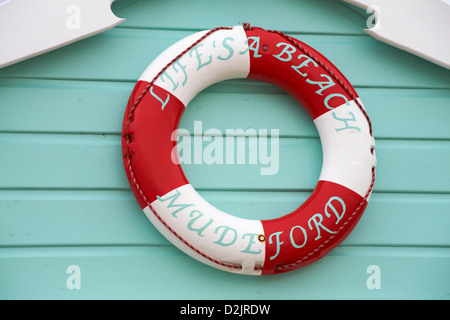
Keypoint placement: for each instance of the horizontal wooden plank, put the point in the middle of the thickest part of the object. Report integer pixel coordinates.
(95, 161)
(98, 107)
(72, 106)
(402, 166)
(122, 54)
(70, 218)
(166, 273)
(303, 16)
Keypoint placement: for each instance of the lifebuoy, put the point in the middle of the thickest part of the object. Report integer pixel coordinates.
(256, 247)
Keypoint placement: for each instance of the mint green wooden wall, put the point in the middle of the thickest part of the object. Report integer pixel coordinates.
(65, 199)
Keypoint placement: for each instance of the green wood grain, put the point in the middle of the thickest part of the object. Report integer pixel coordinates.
(302, 16)
(98, 107)
(131, 50)
(68, 217)
(160, 272)
(95, 161)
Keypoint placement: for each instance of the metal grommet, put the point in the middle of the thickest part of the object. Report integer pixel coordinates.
(265, 47)
(261, 238)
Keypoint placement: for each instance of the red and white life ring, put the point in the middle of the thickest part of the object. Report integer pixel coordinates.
(256, 247)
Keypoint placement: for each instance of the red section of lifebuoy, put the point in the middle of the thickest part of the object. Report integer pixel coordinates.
(294, 66)
(311, 231)
(148, 146)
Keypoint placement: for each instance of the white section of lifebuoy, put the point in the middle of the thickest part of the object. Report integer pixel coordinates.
(219, 235)
(345, 137)
(221, 56)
